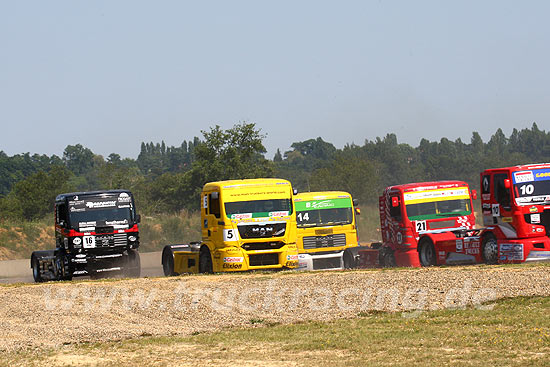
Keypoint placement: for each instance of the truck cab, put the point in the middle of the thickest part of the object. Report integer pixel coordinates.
(424, 224)
(516, 213)
(246, 225)
(96, 233)
(326, 230)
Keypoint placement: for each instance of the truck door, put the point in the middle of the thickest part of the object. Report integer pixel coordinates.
(212, 217)
(502, 202)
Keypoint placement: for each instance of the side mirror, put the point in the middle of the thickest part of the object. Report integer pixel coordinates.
(138, 218)
(355, 202)
(395, 201)
(474, 194)
(215, 195)
(507, 183)
(62, 223)
(295, 191)
(357, 211)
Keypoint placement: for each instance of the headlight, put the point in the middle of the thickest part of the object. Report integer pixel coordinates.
(77, 240)
(132, 238)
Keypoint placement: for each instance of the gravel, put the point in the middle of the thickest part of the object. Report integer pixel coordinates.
(53, 314)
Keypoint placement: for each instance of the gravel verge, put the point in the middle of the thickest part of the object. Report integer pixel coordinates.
(53, 314)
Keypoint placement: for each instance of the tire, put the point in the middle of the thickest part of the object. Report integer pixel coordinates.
(349, 260)
(205, 261)
(63, 272)
(489, 249)
(133, 265)
(386, 257)
(426, 253)
(36, 270)
(168, 263)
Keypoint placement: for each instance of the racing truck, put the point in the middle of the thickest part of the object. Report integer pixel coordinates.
(515, 205)
(424, 224)
(246, 225)
(326, 230)
(96, 234)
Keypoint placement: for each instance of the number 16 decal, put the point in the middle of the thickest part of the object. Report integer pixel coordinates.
(420, 225)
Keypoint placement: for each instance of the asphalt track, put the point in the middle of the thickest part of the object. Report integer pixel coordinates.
(19, 271)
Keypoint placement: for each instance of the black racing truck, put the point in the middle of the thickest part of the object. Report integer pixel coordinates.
(96, 235)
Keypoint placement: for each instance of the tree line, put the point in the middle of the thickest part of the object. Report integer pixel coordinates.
(169, 178)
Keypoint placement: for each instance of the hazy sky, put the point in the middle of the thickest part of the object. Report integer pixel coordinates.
(111, 74)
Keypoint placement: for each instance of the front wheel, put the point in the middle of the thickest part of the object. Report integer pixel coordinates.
(349, 260)
(386, 257)
(426, 252)
(205, 261)
(133, 265)
(489, 249)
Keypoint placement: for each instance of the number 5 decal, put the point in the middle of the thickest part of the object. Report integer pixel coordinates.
(420, 225)
(229, 235)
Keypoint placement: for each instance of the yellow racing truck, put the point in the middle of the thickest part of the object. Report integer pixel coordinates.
(326, 230)
(246, 225)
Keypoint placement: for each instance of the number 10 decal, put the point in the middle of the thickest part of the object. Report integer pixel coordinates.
(420, 225)
(229, 235)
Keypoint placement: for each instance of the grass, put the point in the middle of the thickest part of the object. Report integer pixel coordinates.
(515, 332)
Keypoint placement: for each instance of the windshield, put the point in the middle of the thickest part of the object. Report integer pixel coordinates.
(258, 208)
(532, 187)
(328, 212)
(438, 209)
(437, 203)
(107, 210)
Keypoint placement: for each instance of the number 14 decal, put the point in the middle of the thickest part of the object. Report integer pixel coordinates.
(420, 225)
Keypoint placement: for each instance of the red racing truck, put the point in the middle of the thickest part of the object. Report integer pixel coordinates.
(516, 214)
(424, 224)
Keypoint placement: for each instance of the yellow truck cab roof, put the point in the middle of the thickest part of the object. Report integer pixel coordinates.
(321, 195)
(231, 184)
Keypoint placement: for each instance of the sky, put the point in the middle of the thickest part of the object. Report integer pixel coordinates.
(111, 74)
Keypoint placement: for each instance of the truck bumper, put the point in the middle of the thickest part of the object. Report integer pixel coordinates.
(333, 261)
(523, 250)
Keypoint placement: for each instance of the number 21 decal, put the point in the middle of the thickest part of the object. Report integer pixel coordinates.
(420, 225)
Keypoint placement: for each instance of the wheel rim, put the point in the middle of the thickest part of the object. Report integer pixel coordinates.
(427, 255)
(490, 250)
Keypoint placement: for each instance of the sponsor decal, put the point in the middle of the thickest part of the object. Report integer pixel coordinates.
(535, 218)
(233, 259)
(533, 209)
(511, 251)
(523, 176)
(278, 214)
(459, 245)
(436, 195)
(291, 264)
(292, 257)
(486, 197)
(100, 204)
(232, 266)
(241, 216)
(117, 222)
(507, 219)
(124, 198)
(540, 229)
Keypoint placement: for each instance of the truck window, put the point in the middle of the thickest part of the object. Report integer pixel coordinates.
(395, 212)
(61, 213)
(214, 204)
(486, 184)
(502, 194)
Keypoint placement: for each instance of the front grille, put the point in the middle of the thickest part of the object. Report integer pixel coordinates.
(544, 220)
(335, 240)
(262, 230)
(442, 224)
(99, 230)
(263, 259)
(328, 263)
(110, 240)
(263, 246)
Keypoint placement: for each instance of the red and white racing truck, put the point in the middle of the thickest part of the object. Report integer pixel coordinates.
(424, 224)
(515, 204)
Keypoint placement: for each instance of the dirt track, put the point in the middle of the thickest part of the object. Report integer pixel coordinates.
(59, 313)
